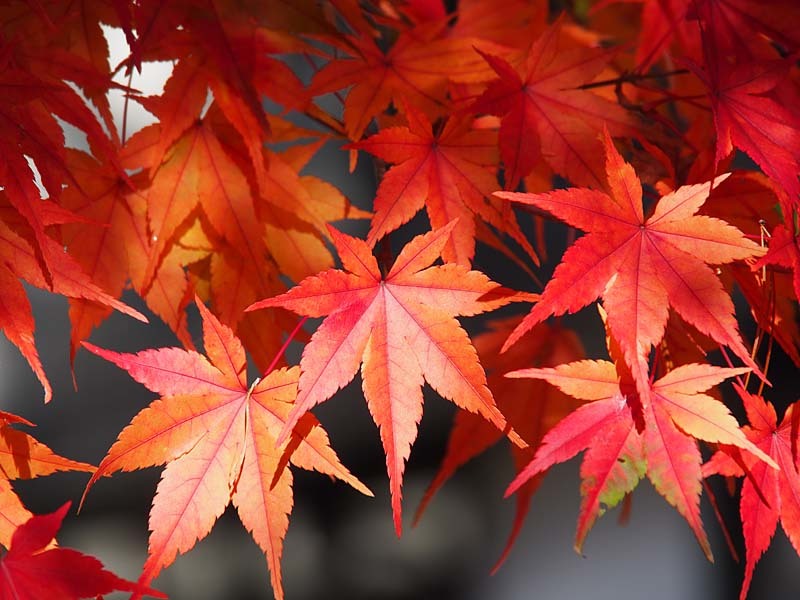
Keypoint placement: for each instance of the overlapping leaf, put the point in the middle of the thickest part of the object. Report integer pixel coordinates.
(217, 436)
(747, 200)
(618, 455)
(740, 30)
(19, 260)
(784, 251)
(416, 68)
(451, 173)
(23, 457)
(641, 266)
(777, 497)
(32, 569)
(401, 329)
(110, 241)
(750, 114)
(546, 116)
(255, 224)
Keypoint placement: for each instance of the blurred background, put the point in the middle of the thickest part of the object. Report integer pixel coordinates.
(341, 544)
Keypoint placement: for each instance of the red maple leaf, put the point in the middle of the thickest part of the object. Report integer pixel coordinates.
(740, 30)
(31, 139)
(641, 266)
(401, 329)
(747, 200)
(33, 569)
(778, 495)
(217, 436)
(221, 48)
(784, 251)
(618, 455)
(545, 114)
(748, 102)
(416, 68)
(451, 172)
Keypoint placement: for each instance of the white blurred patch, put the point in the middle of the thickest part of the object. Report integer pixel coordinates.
(149, 81)
(37, 176)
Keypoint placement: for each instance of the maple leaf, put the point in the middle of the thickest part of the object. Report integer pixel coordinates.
(19, 260)
(197, 176)
(641, 267)
(32, 569)
(481, 20)
(546, 115)
(221, 48)
(778, 494)
(739, 30)
(618, 455)
(198, 172)
(186, 93)
(401, 330)
(255, 228)
(784, 251)
(217, 436)
(75, 50)
(531, 407)
(32, 140)
(451, 172)
(749, 114)
(109, 242)
(748, 201)
(415, 68)
(23, 457)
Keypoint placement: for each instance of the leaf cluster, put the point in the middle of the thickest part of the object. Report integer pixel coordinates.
(628, 123)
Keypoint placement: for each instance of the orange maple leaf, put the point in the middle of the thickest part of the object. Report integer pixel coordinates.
(110, 242)
(23, 457)
(401, 329)
(451, 172)
(641, 267)
(197, 172)
(217, 436)
(19, 259)
(618, 455)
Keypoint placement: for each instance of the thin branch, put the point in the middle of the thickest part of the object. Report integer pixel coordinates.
(630, 78)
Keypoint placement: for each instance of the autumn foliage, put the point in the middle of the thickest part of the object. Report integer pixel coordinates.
(665, 136)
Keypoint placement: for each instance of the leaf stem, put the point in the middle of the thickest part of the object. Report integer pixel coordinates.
(124, 134)
(725, 532)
